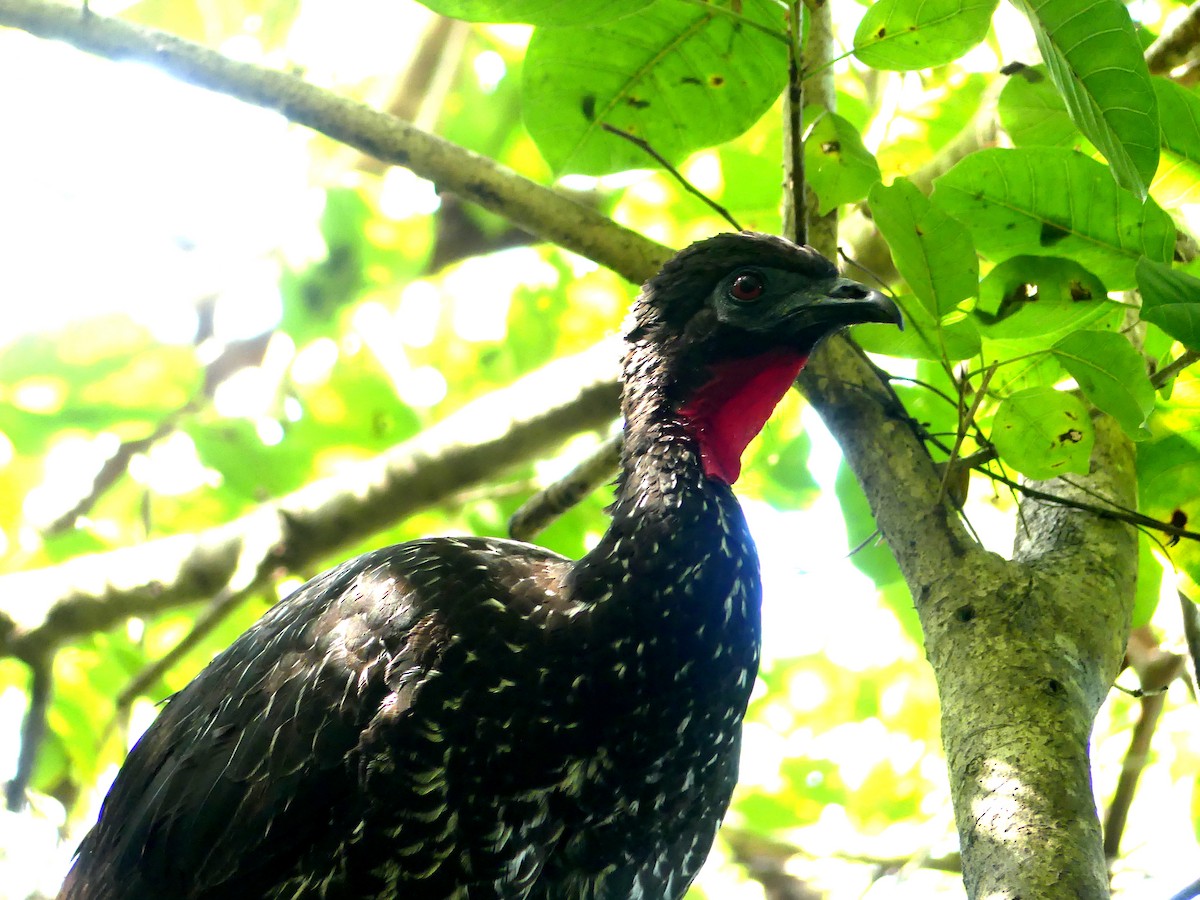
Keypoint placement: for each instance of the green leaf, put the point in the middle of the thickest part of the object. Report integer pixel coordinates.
(1149, 582)
(873, 557)
(1170, 300)
(660, 69)
(952, 337)
(839, 168)
(1093, 56)
(786, 480)
(537, 12)
(1032, 111)
(1180, 112)
(1168, 473)
(919, 34)
(1177, 182)
(1052, 202)
(933, 252)
(1044, 433)
(1111, 374)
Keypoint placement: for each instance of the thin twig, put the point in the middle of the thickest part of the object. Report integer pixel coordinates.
(91, 593)
(111, 471)
(33, 730)
(548, 504)
(1174, 367)
(964, 423)
(795, 225)
(225, 602)
(1189, 892)
(1110, 512)
(644, 146)
(1156, 669)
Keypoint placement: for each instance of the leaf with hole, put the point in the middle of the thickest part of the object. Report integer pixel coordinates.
(1054, 202)
(1111, 374)
(918, 34)
(679, 75)
(1093, 56)
(1043, 433)
(839, 168)
(1049, 285)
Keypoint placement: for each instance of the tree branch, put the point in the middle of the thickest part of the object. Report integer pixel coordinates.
(1175, 45)
(33, 730)
(551, 502)
(42, 608)
(539, 210)
(1156, 669)
(1025, 653)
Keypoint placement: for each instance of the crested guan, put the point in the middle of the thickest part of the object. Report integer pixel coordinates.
(479, 718)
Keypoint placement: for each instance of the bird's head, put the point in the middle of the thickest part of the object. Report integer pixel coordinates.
(729, 322)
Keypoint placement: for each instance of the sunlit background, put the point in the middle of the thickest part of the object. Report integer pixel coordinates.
(133, 208)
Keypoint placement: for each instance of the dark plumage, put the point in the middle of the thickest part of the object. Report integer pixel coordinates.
(478, 718)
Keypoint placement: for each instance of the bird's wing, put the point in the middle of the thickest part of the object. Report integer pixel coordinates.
(251, 766)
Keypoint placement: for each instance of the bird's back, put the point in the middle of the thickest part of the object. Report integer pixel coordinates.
(280, 764)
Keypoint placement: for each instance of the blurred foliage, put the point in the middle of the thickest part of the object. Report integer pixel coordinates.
(371, 341)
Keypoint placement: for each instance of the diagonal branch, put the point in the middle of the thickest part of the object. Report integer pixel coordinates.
(1175, 45)
(537, 209)
(44, 607)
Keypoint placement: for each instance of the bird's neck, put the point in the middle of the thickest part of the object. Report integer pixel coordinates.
(674, 507)
(668, 427)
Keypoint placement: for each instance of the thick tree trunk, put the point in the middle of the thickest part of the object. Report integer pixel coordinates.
(1025, 653)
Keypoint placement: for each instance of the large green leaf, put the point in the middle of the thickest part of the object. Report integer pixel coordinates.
(920, 34)
(1171, 300)
(1093, 55)
(537, 12)
(1054, 202)
(1032, 111)
(933, 252)
(1044, 433)
(682, 76)
(1111, 374)
(839, 168)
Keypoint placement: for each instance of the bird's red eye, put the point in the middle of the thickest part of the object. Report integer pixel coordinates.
(747, 287)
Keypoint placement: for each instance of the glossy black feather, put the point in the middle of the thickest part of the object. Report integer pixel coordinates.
(477, 718)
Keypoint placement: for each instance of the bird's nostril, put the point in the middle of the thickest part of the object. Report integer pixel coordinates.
(850, 290)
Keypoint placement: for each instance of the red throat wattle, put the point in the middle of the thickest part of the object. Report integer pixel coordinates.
(728, 411)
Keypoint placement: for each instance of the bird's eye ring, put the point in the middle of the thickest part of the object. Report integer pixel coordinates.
(747, 287)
